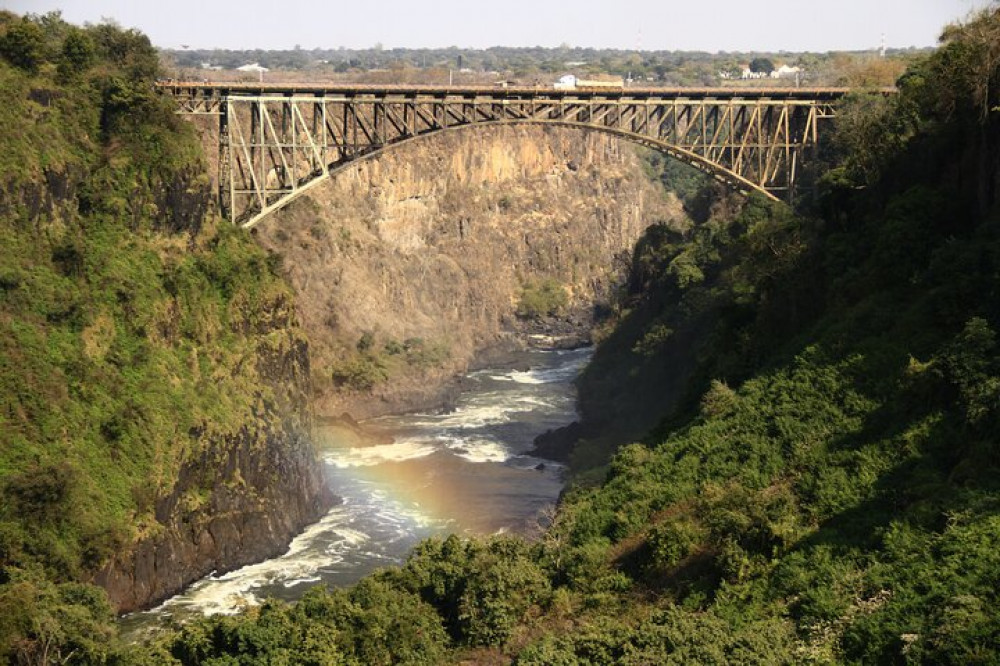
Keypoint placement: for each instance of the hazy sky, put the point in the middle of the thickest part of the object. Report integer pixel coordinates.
(706, 25)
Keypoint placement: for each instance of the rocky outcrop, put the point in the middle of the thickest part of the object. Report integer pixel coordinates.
(242, 497)
(268, 492)
(434, 241)
(558, 443)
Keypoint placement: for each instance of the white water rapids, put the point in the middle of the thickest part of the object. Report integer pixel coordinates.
(461, 471)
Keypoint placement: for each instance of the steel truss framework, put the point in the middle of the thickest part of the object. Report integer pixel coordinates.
(276, 144)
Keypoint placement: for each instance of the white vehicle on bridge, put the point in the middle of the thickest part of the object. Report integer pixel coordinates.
(571, 82)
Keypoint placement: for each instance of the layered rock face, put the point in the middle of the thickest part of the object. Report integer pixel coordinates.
(234, 494)
(434, 241)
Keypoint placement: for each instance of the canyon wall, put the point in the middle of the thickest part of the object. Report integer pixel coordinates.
(154, 381)
(242, 493)
(410, 265)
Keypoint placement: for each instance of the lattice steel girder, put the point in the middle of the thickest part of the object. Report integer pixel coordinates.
(274, 146)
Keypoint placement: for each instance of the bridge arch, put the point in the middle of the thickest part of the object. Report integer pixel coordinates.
(253, 217)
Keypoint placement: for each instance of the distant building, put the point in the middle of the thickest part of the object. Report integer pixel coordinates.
(253, 67)
(783, 72)
(786, 72)
(210, 66)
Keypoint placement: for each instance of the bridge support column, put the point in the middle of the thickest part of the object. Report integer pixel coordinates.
(227, 203)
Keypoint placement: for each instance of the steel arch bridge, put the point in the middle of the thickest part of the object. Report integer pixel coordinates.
(277, 142)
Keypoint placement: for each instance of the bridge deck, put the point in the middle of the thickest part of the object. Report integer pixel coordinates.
(224, 89)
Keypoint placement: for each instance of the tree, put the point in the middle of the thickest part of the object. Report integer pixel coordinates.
(973, 50)
(77, 53)
(130, 50)
(870, 132)
(23, 45)
(44, 623)
(761, 66)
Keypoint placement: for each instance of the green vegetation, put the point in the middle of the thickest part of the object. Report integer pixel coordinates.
(368, 366)
(361, 372)
(692, 187)
(130, 326)
(820, 397)
(542, 298)
(816, 399)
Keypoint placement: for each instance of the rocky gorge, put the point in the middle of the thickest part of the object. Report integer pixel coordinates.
(163, 368)
(410, 266)
(427, 249)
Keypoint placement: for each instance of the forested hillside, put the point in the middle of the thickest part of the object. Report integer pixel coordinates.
(822, 485)
(145, 351)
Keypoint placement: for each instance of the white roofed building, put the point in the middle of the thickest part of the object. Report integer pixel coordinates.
(253, 67)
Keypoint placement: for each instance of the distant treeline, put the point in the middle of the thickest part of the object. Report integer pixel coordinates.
(669, 67)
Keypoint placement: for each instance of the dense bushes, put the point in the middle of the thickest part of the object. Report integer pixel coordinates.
(46, 623)
(23, 45)
(482, 590)
(370, 624)
(126, 323)
(371, 364)
(448, 592)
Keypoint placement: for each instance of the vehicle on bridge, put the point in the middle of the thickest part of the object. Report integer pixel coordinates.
(571, 82)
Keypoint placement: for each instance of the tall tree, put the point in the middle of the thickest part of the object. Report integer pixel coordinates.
(761, 66)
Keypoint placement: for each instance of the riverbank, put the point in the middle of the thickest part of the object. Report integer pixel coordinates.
(438, 388)
(465, 469)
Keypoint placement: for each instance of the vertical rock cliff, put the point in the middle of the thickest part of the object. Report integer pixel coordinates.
(243, 493)
(409, 265)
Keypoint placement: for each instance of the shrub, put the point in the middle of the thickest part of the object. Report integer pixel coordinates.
(718, 400)
(23, 45)
(544, 298)
(653, 340)
(361, 372)
(77, 53)
(482, 589)
(673, 540)
(366, 342)
(422, 354)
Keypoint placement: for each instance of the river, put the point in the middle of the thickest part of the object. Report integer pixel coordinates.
(464, 471)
